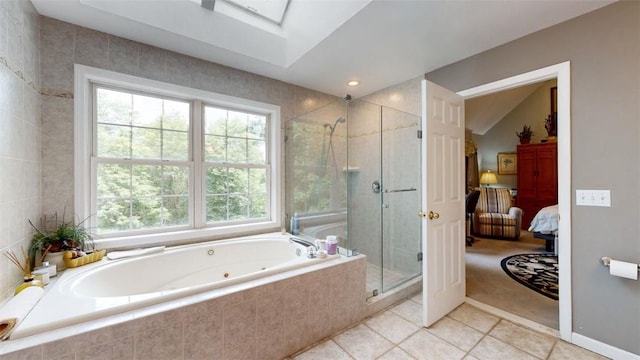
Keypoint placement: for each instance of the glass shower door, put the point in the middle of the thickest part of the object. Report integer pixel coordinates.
(400, 197)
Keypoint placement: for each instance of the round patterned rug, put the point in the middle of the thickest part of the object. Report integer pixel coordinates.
(538, 272)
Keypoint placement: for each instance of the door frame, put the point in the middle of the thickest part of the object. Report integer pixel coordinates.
(561, 72)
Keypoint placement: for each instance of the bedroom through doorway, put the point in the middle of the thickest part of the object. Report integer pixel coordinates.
(492, 121)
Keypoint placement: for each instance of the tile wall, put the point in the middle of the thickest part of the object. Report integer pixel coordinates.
(64, 44)
(20, 133)
(37, 55)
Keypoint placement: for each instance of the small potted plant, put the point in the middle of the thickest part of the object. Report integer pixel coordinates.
(55, 236)
(551, 125)
(525, 135)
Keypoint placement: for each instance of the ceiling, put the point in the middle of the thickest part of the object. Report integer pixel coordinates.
(483, 112)
(323, 44)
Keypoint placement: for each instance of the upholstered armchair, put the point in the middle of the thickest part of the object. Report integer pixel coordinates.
(494, 215)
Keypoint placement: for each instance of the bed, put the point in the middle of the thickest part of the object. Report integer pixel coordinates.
(545, 226)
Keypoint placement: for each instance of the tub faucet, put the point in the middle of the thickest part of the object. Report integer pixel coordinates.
(302, 242)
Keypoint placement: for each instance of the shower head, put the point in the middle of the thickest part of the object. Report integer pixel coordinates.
(339, 120)
(335, 124)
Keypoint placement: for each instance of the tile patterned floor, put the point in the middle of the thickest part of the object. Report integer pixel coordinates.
(466, 333)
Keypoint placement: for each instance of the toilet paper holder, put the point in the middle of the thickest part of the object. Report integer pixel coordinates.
(606, 261)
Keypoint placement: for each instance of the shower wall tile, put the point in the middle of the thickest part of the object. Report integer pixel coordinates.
(152, 60)
(177, 69)
(202, 74)
(124, 55)
(32, 114)
(91, 48)
(56, 37)
(4, 31)
(31, 48)
(309, 100)
(405, 96)
(19, 134)
(11, 121)
(15, 33)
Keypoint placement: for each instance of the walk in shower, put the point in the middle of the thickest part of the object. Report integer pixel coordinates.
(353, 170)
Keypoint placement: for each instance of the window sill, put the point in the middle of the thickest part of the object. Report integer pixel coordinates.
(185, 236)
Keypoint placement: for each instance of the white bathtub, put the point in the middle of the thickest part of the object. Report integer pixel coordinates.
(111, 287)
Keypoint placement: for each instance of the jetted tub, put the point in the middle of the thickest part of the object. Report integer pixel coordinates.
(110, 287)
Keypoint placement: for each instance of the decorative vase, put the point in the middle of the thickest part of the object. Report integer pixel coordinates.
(525, 140)
(55, 258)
(552, 138)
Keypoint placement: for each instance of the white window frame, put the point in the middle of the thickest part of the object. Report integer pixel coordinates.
(84, 175)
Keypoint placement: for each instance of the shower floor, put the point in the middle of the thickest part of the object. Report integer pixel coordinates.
(391, 278)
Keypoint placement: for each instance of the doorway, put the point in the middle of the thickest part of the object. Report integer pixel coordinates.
(562, 73)
(493, 119)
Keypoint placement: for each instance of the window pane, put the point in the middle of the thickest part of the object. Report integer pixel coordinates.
(257, 151)
(238, 181)
(145, 143)
(216, 208)
(215, 148)
(236, 150)
(257, 127)
(114, 141)
(257, 180)
(238, 207)
(146, 181)
(146, 212)
(215, 121)
(258, 207)
(216, 181)
(175, 180)
(237, 124)
(147, 111)
(114, 107)
(114, 181)
(113, 215)
(176, 115)
(176, 210)
(175, 145)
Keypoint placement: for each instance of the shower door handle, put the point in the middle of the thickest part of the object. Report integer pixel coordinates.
(376, 187)
(400, 190)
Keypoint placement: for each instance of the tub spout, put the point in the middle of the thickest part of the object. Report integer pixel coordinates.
(302, 242)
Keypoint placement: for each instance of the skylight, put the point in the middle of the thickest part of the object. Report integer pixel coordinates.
(271, 10)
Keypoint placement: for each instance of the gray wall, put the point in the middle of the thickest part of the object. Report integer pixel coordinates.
(20, 179)
(501, 137)
(604, 50)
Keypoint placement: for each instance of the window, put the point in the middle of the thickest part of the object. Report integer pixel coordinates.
(166, 163)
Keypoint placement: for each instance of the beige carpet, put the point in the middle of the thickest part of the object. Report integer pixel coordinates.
(489, 284)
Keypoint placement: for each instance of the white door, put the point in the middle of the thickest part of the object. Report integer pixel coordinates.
(443, 223)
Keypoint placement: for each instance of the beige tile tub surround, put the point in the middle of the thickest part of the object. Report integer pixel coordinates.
(271, 321)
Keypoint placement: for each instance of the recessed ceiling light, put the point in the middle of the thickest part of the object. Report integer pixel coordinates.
(353, 83)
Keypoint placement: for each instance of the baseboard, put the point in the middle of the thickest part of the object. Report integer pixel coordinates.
(513, 318)
(602, 348)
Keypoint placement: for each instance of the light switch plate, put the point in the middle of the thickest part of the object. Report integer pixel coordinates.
(593, 198)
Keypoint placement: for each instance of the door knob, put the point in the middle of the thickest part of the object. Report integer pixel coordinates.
(433, 215)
